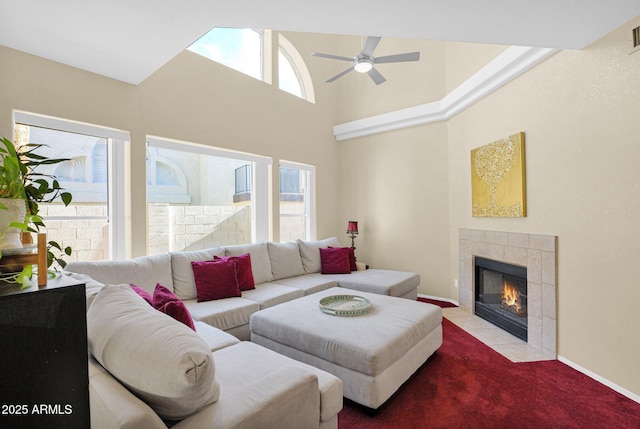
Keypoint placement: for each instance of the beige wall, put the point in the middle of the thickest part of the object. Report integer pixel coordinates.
(395, 186)
(579, 112)
(190, 99)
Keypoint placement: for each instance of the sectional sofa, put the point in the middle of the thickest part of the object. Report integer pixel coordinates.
(138, 354)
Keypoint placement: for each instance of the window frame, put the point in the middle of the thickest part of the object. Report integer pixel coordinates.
(117, 174)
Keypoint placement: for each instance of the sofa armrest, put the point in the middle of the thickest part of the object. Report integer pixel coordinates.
(113, 406)
(288, 398)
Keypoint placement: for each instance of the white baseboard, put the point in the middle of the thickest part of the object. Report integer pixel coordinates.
(600, 379)
(629, 394)
(437, 298)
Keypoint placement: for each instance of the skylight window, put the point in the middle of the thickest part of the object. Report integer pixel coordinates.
(238, 48)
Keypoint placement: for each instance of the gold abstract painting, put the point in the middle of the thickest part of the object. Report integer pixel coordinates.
(498, 178)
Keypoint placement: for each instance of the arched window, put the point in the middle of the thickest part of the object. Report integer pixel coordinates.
(166, 181)
(73, 170)
(293, 74)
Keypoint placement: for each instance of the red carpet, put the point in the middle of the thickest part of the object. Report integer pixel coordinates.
(468, 385)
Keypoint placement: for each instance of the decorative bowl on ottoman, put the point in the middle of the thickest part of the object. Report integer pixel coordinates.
(345, 305)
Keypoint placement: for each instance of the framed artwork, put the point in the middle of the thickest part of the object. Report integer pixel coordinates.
(498, 178)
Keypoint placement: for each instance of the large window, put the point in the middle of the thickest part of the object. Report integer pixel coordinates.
(195, 200)
(238, 48)
(296, 201)
(93, 224)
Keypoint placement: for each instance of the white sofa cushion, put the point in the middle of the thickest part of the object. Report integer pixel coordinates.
(382, 282)
(246, 362)
(260, 262)
(215, 338)
(160, 360)
(225, 314)
(270, 294)
(184, 283)
(309, 283)
(285, 260)
(310, 252)
(145, 271)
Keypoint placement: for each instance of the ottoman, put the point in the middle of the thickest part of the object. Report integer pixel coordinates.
(373, 354)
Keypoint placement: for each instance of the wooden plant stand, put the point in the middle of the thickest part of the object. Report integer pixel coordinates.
(16, 263)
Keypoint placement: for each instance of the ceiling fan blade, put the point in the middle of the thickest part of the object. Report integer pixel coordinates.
(339, 75)
(370, 46)
(398, 58)
(376, 76)
(333, 57)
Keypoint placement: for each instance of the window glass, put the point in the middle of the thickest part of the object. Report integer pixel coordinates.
(296, 201)
(85, 224)
(288, 77)
(238, 48)
(199, 197)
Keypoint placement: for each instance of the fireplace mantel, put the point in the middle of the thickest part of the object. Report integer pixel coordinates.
(538, 253)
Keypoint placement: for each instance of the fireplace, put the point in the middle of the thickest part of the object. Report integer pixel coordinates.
(536, 252)
(501, 295)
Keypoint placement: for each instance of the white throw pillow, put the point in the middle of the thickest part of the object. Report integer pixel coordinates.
(260, 263)
(285, 260)
(184, 284)
(310, 252)
(160, 360)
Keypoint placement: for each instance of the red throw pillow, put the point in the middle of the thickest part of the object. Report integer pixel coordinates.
(165, 301)
(352, 258)
(143, 293)
(243, 270)
(216, 279)
(335, 260)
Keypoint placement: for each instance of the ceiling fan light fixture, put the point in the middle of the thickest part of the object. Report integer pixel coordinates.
(363, 65)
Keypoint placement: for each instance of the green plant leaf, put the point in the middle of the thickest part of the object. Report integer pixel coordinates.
(66, 198)
(20, 179)
(25, 275)
(55, 244)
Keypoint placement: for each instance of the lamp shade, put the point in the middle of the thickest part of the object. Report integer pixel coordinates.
(352, 227)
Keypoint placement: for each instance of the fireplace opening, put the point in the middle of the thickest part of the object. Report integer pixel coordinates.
(501, 295)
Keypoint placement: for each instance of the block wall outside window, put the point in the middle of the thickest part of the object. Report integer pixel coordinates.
(179, 228)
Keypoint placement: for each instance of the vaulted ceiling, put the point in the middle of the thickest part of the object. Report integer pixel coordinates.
(129, 40)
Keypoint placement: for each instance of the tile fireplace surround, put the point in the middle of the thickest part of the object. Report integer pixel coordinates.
(538, 253)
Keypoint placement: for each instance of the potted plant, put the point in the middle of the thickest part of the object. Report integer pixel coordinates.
(22, 189)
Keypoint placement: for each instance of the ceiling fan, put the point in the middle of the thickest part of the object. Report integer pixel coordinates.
(365, 60)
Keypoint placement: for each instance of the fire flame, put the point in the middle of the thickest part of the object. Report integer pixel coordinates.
(511, 299)
(509, 295)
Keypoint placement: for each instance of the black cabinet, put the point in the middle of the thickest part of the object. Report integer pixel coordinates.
(44, 379)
